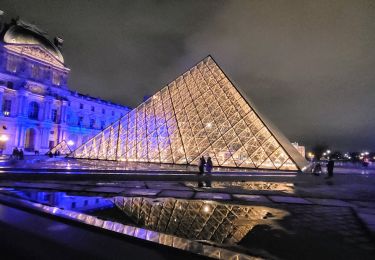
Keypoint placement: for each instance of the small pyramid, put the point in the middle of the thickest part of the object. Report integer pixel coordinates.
(201, 113)
(62, 148)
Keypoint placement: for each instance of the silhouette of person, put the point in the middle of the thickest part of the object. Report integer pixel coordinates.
(15, 153)
(201, 165)
(21, 155)
(209, 167)
(330, 166)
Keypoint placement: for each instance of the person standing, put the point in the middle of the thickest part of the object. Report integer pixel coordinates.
(330, 166)
(209, 167)
(21, 155)
(201, 165)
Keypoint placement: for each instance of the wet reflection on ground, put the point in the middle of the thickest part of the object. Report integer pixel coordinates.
(283, 226)
(196, 219)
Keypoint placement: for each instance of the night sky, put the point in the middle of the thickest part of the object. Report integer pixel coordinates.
(309, 66)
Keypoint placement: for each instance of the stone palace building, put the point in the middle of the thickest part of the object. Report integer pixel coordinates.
(38, 110)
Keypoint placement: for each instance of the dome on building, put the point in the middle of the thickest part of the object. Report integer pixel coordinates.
(23, 33)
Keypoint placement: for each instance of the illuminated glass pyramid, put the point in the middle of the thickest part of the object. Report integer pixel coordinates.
(61, 148)
(201, 113)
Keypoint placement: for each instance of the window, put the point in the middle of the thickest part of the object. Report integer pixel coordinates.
(56, 78)
(102, 124)
(92, 123)
(11, 64)
(86, 203)
(80, 120)
(7, 106)
(103, 111)
(10, 84)
(80, 106)
(73, 205)
(54, 115)
(35, 71)
(92, 108)
(113, 113)
(33, 110)
(51, 144)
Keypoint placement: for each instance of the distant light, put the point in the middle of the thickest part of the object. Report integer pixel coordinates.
(328, 151)
(70, 143)
(4, 138)
(206, 208)
(366, 153)
(209, 125)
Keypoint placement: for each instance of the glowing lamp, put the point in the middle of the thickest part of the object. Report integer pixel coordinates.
(4, 138)
(70, 143)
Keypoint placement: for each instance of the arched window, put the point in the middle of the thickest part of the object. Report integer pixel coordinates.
(33, 110)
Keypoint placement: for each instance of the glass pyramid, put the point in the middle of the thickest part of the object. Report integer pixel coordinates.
(200, 113)
(61, 147)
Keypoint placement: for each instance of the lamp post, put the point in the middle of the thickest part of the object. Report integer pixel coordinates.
(3, 140)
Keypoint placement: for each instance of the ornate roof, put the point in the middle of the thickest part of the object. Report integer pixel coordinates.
(24, 33)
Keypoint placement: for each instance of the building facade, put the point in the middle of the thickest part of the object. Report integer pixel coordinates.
(38, 110)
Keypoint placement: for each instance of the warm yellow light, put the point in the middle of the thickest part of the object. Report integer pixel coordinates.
(4, 138)
(206, 208)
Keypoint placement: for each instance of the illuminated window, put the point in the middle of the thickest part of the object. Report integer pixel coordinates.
(7, 106)
(33, 110)
(35, 71)
(56, 78)
(11, 64)
(54, 115)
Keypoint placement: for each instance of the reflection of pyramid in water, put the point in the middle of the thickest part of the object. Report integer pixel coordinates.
(194, 219)
(200, 113)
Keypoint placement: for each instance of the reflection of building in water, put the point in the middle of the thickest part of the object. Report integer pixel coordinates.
(37, 109)
(64, 201)
(300, 148)
(194, 219)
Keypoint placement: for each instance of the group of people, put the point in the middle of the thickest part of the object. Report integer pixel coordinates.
(317, 168)
(55, 154)
(17, 154)
(202, 166)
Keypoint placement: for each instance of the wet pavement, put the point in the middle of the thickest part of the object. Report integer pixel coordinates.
(271, 220)
(241, 215)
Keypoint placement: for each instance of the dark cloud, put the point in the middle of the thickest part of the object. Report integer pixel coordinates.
(307, 65)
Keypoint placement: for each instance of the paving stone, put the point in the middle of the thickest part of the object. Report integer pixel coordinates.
(176, 194)
(330, 202)
(253, 198)
(141, 192)
(213, 196)
(285, 199)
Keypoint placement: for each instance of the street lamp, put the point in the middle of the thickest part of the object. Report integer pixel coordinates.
(3, 140)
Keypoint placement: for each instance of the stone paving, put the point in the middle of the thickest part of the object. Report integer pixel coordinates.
(324, 218)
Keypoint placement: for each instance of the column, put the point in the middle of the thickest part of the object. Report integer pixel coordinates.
(63, 109)
(48, 101)
(22, 105)
(44, 138)
(1, 99)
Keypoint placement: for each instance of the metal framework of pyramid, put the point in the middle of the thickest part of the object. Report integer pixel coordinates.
(201, 113)
(62, 148)
(197, 219)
